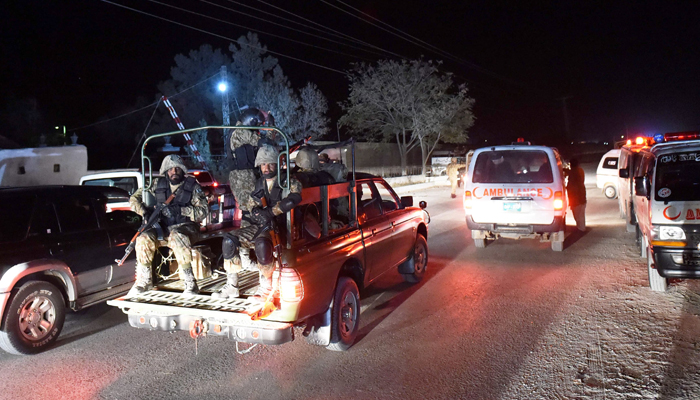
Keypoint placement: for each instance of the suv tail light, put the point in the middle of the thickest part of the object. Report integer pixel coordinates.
(558, 201)
(467, 199)
(291, 287)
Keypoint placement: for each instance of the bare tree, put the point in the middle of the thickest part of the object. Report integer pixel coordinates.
(411, 102)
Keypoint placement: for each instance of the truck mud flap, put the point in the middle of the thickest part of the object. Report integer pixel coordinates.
(168, 311)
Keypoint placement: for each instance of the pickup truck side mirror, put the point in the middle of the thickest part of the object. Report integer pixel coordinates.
(407, 201)
(423, 204)
(623, 173)
(641, 186)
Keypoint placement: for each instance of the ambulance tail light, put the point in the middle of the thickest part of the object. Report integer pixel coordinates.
(291, 287)
(467, 199)
(558, 201)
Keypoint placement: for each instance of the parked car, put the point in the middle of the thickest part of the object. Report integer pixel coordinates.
(606, 174)
(58, 247)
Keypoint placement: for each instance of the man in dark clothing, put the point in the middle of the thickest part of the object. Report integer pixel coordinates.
(576, 191)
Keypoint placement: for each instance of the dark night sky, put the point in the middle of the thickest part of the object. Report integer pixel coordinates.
(627, 66)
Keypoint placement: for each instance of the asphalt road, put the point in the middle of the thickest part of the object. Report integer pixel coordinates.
(464, 332)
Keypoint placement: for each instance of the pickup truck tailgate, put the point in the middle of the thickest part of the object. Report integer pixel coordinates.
(171, 311)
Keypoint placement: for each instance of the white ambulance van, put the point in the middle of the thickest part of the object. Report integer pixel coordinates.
(516, 192)
(627, 164)
(667, 208)
(606, 175)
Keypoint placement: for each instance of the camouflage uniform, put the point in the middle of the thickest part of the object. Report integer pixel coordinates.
(237, 242)
(178, 236)
(453, 175)
(242, 181)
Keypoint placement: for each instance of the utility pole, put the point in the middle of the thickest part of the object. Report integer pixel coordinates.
(567, 128)
(225, 111)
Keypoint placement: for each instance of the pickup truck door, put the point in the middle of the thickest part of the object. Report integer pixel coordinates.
(377, 230)
(402, 223)
(121, 227)
(81, 243)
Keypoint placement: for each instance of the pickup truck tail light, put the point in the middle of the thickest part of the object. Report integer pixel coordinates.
(467, 199)
(558, 201)
(291, 287)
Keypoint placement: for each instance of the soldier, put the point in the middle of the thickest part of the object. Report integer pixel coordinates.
(245, 238)
(453, 174)
(309, 171)
(179, 221)
(244, 144)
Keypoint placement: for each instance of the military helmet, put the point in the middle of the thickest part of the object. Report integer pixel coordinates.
(266, 155)
(253, 117)
(307, 159)
(172, 161)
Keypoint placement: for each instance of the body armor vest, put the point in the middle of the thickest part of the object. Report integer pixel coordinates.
(182, 198)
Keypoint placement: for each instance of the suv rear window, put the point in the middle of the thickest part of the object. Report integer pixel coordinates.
(127, 183)
(15, 214)
(513, 166)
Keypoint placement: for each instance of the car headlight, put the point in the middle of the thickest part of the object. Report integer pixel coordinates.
(671, 233)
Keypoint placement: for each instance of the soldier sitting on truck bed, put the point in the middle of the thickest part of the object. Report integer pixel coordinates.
(266, 159)
(309, 171)
(179, 220)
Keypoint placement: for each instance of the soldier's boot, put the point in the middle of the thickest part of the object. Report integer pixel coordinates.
(191, 287)
(144, 280)
(453, 195)
(264, 289)
(230, 289)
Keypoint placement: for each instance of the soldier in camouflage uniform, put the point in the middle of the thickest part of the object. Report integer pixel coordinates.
(179, 220)
(245, 238)
(244, 144)
(453, 174)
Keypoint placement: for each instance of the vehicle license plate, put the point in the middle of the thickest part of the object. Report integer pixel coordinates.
(512, 206)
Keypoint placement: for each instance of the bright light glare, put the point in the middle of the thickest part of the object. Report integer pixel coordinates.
(223, 87)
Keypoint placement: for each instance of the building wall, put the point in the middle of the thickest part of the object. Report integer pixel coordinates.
(63, 165)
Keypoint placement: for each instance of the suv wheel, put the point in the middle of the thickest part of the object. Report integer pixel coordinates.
(420, 261)
(610, 192)
(657, 283)
(33, 320)
(345, 315)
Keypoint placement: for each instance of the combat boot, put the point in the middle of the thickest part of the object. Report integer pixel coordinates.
(264, 289)
(230, 289)
(191, 287)
(144, 280)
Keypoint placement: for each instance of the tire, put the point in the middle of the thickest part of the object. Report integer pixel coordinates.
(33, 320)
(345, 315)
(420, 261)
(657, 283)
(480, 243)
(610, 192)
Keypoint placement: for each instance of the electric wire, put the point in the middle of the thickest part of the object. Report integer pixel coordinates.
(329, 29)
(223, 37)
(290, 28)
(252, 29)
(144, 132)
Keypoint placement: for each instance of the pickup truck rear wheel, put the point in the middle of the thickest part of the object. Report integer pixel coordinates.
(420, 261)
(345, 315)
(33, 320)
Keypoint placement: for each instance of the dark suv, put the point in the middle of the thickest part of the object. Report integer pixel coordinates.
(58, 247)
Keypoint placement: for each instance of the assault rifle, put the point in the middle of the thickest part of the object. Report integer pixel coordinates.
(147, 224)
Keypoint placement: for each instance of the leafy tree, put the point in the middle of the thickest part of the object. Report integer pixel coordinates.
(411, 102)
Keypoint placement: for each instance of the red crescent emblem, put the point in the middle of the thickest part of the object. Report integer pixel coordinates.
(474, 193)
(668, 217)
(551, 193)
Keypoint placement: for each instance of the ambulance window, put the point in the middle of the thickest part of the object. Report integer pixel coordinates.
(676, 177)
(610, 163)
(513, 166)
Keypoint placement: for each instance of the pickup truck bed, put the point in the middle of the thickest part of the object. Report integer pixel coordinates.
(164, 308)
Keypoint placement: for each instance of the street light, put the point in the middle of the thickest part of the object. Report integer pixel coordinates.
(223, 87)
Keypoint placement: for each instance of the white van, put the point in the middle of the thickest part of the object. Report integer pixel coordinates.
(606, 175)
(667, 208)
(516, 192)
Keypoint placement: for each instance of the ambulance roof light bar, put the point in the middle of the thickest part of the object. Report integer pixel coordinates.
(678, 136)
